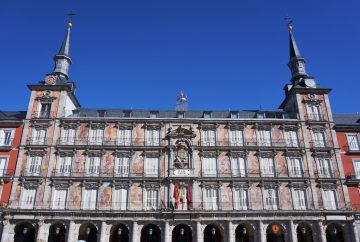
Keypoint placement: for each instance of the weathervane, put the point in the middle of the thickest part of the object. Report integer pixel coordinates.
(71, 15)
(289, 22)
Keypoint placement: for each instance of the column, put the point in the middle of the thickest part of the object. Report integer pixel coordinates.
(262, 232)
(293, 232)
(72, 233)
(166, 232)
(103, 232)
(322, 232)
(134, 232)
(355, 232)
(231, 235)
(198, 232)
(43, 231)
(8, 231)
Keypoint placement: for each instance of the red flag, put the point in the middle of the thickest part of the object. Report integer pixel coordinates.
(176, 194)
(188, 196)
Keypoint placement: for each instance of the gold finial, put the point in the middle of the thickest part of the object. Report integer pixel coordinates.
(182, 96)
(289, 22)
(71, 14)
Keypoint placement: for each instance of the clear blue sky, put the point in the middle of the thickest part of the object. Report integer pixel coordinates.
(140, 54)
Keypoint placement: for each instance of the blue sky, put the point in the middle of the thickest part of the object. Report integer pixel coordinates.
(140, 53)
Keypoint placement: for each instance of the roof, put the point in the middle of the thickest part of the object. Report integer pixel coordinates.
(12, 115)
(195, 114)
(347, 118)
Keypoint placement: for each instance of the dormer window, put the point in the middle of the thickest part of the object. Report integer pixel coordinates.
(261, 115)
(234, 115)
(180, 115)
(127, 114)
(154, 114)
(44, 110)
(101, 113)
(207, 115)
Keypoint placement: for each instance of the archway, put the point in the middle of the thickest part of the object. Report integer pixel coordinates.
(119, 233)
(25, 232)
(244, 233)
(334, 233)
(275, 233)
(213, 233)
(182, 233)
(304, 233)
(88, 232)
(150, 233)
(57, 233)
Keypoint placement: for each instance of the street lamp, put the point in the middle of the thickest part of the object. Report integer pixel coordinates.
(87, 232)
(150, 232)
(182, 231)
(119, 231)
(213, 231)
(303, 231)
(57, 232)
(24, 231)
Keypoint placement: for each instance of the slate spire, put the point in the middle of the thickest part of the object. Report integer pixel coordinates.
(62, 59)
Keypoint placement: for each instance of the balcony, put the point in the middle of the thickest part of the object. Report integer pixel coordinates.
(353, 178)
(38, 141)
(6, 144)
(321, 144)
(6, 173)
(326, 174)
(32, 172)
(315, 117)
(104, 173)
(42, 115)
(283, 143)
(352, 148)
(256, 174)
(107, 142)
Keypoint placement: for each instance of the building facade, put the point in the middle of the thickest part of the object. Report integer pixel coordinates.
(179, 175)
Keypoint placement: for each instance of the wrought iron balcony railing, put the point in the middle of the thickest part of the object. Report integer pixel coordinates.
(101, 141)
(321, 144)
(255, 143)
(315, 117)
(6, 142)
(38, 141)
(43, 115)
(6, 172)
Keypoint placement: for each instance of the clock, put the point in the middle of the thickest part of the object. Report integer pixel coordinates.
(50, 80)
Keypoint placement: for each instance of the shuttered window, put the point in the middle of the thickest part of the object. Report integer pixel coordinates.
(357, 168)
(208, 138)
(291, 138)
(353, 141)
(89, 199)
(271, 199)
(63, 167)
(34, 166)
(295, 166)
(38, 136)
(209, 166)
(3, 164)
(124, 137)
(299, 197)
(151, 167)
(92, 166)
(122, 166)
(119, 199)
(238, 167)
(241, 199)
(211, 199)
(329, 199)
(152, 137)
(59, 199)
(319, 139)
(267, 166)
(324, 167)
(151, 199)
(68, 136)
(264, 137)
(27, 198)
(96, 136)
(314, 112)
(236, 137)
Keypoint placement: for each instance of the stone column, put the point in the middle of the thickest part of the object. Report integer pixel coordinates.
(43, 231)
(104, 236)
(231, 235)
(134, 232)
(293, 232)
(8, 232)
(355, 232)
(198, 232)
(72, 232)
(322, 232)
(166, 232)
(262, 232)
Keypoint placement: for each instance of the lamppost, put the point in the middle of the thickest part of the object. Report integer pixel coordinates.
(57, 232)
(87, 232)
(119, 232)
(24, 231)
(150, 234)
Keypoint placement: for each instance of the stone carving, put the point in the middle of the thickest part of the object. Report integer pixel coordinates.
(181, 155)
(46, 97)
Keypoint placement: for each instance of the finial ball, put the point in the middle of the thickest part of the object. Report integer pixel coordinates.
(290, 27)
(69, 25)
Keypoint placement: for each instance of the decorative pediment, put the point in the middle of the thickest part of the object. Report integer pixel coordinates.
(91, 185)
(209, 154)
(317, 128)
(152, 126)
(312, 100)
(119, 153)
(331, 186)
(269, 185)
(210, 185)
(33, 184)
(61, 185)
(238, 186)
(94, 153)
(290, 127)
(263, 126)
(322, 155)
(237, 154)
(265, 154)
(120, 185)
(46, 97)
(298, 185)
(33, 153)
(208, 127)
(124, 126)
(70, 125)
(155, 154)
(151, 186)
(40, 124)
(66, 153)
(181, 133)
(236, 126)
(101, 125)
(293, 154)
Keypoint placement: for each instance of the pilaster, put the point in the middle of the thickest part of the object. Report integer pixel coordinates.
(261, 231)
(134, 232)
(322, 234)
(8, 231)
(198, 232)
(43, 231)
(231, 234)
(166, 232)
(293, 231)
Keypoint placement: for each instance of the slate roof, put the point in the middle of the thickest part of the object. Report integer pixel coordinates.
(347, 118)
(194, 114)
(12, 115)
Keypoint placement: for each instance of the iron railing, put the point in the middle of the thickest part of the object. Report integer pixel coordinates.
(43, 115)
(6, 142)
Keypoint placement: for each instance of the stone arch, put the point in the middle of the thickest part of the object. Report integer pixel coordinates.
(244, 232)
(182, 233)
(275, 232)
(150, 233)
(25, 232)
(57, 232)
(88, 232)
(304, 232)
(213, 233)
(119, 233)
(334, 233)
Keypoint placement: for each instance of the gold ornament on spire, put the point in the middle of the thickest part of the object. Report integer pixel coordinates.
(289, 22)
(71, 15)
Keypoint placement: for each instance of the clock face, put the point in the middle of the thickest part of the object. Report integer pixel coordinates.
(50, 80)
(310, 83)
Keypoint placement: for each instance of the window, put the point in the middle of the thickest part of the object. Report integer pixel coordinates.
(208, 137)
(152, 137)
(3, 164)
(151, 199)
(234, 115)
(324, 167)
(319, 139)
(27, 199)
(96, 136)
(211, 199)
(124, 137)
(63, 166)
(267, 166)
(59, 199)
(92, 166)
(44, 110)
(101, 113)
(271, 199)
(236, 137)
(330, 199)
(180, 114)
(357, 168)
(151, 166)
(295, 167)
(38, 137)
(299, 197)
(68, 136)
(314, 112)
(34, 166)
(154, 114)
(238, 166)
(353, 142)
(241, 199)
(209, 166)
(6, 137)
(207, 114)
(89, 199)
(263, 137)
(122, 166)
(291, 138)
(127, 114)
(119, 199)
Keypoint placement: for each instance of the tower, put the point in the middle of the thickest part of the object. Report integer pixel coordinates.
(181, 102)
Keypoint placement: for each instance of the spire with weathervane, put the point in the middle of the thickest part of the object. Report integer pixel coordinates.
(181, 102)
(296, 62)
(62, 59)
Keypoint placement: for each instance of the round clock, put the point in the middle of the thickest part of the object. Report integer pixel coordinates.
(50, 80)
